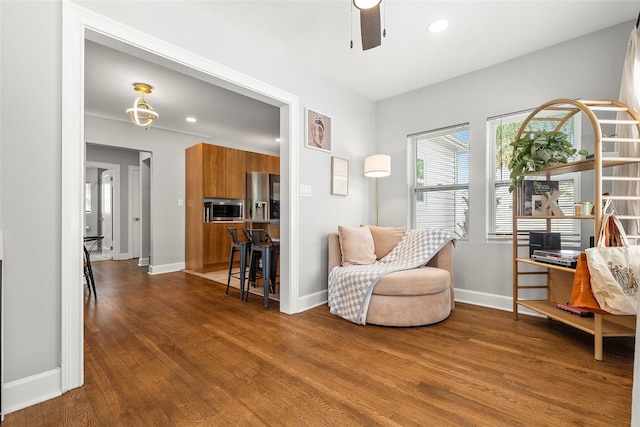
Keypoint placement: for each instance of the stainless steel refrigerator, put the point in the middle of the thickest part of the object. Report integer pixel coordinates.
(263, 196)
(257, 195)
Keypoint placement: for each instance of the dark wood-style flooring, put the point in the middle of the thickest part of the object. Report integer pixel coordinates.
(174, 350)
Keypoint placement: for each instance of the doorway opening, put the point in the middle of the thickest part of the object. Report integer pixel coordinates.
(117, 186)
(79, 24)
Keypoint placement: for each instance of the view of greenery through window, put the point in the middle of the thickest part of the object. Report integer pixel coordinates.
(441, 180)
(501, 131)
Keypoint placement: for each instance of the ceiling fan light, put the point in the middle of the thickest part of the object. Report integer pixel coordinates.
(366, 4)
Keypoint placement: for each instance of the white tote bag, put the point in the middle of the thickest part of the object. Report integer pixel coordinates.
(615, 271)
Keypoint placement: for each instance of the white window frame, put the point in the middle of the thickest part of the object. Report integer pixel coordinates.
(499, 227)
(459, 211)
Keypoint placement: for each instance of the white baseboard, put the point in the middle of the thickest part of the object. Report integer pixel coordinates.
(166, 268)
(122, 256)
(143, 262)
(308, 302)
(31, 390)
(483, 299)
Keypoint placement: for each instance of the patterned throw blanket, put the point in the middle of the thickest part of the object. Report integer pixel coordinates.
(350, 287)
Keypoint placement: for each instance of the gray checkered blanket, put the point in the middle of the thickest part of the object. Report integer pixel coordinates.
(350, 287)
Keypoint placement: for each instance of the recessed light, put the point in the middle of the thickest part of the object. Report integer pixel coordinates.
(277, 139)
(191, 119)
(438, 26)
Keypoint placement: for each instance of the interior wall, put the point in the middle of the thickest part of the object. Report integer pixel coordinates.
(32, 301)
(588, 67)
(123, 157)
(32, 295)
(352, 116)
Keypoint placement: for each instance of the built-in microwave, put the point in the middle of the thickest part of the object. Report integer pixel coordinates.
(223, 210)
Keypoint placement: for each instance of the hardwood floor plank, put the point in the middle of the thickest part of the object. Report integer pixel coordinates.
(175, 350)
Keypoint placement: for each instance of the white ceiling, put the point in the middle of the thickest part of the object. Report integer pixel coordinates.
(317, 34)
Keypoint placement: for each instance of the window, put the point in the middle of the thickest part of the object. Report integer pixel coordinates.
(440, 181)
(501, 131)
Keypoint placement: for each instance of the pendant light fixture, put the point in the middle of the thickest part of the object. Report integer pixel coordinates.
(142, 114)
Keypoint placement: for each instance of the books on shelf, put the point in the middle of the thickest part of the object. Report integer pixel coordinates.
(539, 198)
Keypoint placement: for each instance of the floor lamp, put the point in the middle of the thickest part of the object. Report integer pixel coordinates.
(377, 166)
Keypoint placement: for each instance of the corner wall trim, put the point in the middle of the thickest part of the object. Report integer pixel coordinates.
(31, 390)
(308, 302)
(166, 268)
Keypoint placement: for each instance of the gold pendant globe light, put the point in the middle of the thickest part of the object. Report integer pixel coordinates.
(142, 114)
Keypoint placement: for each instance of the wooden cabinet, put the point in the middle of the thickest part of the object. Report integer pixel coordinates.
(213, 171)
(234, 174)
(257, 162)
(558, 281)
(223, 171)
(217, 240)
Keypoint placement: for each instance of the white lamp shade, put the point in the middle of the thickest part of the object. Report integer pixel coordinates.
(377, 165)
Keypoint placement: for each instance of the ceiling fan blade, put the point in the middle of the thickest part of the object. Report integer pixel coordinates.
(370, 27)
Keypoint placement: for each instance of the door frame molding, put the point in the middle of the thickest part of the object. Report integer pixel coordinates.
(115, 216)
(130, 236)
(77, 22)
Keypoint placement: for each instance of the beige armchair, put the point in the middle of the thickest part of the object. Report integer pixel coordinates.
(415, 297)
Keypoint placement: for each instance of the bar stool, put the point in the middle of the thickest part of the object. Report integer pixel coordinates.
(262, 246)
(87, 269)
(241, 246)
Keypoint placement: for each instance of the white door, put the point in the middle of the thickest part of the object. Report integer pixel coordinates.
(106, 214)
(136, 228)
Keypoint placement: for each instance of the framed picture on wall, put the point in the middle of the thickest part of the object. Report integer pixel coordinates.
(318, 130)
(339, 176)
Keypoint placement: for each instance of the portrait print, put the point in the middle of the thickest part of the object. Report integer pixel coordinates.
(318, 131)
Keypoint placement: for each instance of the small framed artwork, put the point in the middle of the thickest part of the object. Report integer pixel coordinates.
(339, 176)
(318, 130)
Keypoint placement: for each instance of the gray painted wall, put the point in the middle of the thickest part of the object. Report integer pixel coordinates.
(124, 158)
(32, 301)
(30, 204)
(353, 115)
(589, 67)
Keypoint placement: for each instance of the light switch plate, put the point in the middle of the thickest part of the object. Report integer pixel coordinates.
(305, 191)
(180, 202)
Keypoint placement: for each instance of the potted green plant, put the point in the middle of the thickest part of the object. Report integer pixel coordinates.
(536, 150)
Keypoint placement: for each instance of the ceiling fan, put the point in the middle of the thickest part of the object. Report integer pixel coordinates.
(369, 23)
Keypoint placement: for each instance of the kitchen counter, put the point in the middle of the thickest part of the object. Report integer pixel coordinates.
(263, 221)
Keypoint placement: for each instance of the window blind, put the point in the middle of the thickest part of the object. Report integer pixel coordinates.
(441, 180)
